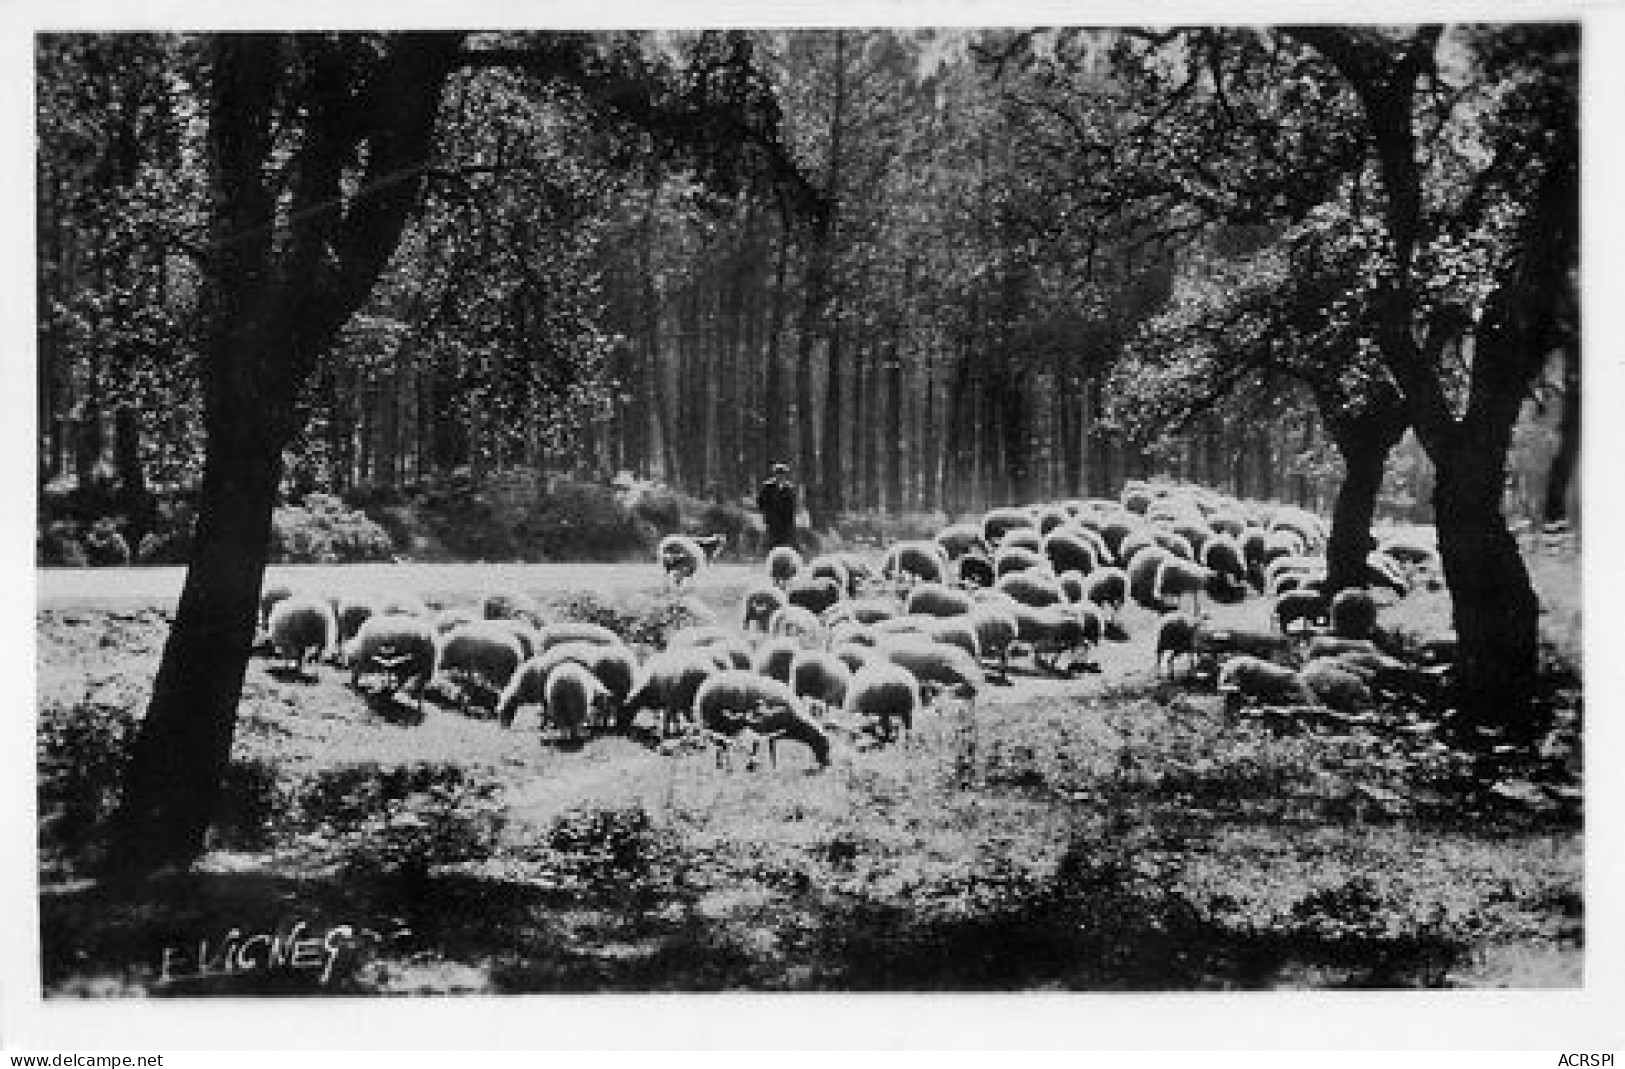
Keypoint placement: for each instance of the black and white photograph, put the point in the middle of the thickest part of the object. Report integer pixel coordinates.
(959, 503)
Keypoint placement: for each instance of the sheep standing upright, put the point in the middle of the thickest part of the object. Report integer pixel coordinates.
(730, 703)
(573, 696)
(481, 656)
(783, 565)
(681, 558)
(401, 648)
(886, 693)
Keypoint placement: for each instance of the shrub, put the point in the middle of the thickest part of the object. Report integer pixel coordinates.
(323, 530)
(621, 843)
(105, 546)
(251, 801)
(661, 509)
(583, 521)
(59, 546)
(643, 620)
(81, 752)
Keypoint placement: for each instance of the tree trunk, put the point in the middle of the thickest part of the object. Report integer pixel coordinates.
(1497, 614)
(273, 301)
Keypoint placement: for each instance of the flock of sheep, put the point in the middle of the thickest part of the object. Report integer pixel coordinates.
(843, 646)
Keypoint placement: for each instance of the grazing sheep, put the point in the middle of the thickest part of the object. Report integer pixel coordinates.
(1177, 577)
(1222, 554)
(847, 630)
(886, 693)
(1253, 540)
(1299, 581)
(934, 599)
(1114, 532)
(1072, 586)
(860, 573)
(1247, 677)
(799, 623)
(1330, 646)
(500, 606)
(402, 648)
(813, 593)
(667, 684)
(957, 631)
(1227, 520)
(1142, 571)
(1173, 543)
(1107, 588)
(821, 678)
(996, 630)
(1211, 643)
(723, 645)
(681, 558)
(774, 657)
(856, 654)
(524, 633)
(1353, 613)
(934, 662)
(958, 539)
(351, 615)
(1032, 588)
(866, 611)
(730, 703)
(1300, 606)
(1011, 559)
(997, 522)
(1176, 635)
(552, 635)
(1283, 543)
(976, 570)
(760, 602)
(1067, 551)
(1281, 567)
(915, 561)
(301, 626)
(1385, 572)
(574, 695)
(528, 684)
(783, 564)
(1335, 686)
(1413, 549)
(1053, 629)
(483, 655)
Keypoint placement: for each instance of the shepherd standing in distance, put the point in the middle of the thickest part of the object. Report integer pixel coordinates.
(777, 500)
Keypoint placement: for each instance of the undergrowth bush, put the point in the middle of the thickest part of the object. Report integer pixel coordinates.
(639, 619)
(81, 752)
(323, 530)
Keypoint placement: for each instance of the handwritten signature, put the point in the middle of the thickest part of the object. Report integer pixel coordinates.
(299, 949)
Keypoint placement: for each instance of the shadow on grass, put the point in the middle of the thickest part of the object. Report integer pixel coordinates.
(1089, 930)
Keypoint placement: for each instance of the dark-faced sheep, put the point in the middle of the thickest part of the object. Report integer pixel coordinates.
(760, 602)
(783, 564)
(831, 567)
(301, 627)
(976, 570)
(681, 558)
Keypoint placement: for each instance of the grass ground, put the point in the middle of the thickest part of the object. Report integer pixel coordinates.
(1109, 832)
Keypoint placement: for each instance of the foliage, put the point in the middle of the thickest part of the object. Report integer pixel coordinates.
(80, 754)
(581, 521)
(321, 530)
(646, 620)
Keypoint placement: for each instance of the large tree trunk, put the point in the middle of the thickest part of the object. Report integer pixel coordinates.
(274, 301)
(1497, 614)
(1364, 440)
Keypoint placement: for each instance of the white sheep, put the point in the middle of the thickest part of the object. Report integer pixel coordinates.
(1176, 636)
(1069, 550)
(1032, 588)
(820, 677)
(574, 695)
(1024, 538)
(774, 657)
(730, 703)
(935, 599)
(300, 627)
(997, 521)
(551, 635)
(1177, 577)
(799, 623)
(1054, 629)
(450, 619)
(402, 648)
(480, 655)
(1248, 677)
(719, 641)
(959, 539)
(815, 593)
(668, 681)
(885, 692)
(269, 598)
(1108, 588)
(612, 665)
(996, 630)
(915, 561)
(1142, 569)
(935, 663)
